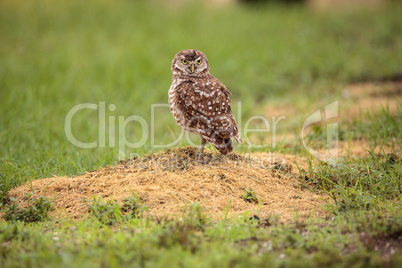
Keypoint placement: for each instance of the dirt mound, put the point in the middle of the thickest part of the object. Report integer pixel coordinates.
(169, 180)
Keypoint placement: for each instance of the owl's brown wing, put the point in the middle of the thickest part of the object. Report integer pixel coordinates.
(206, 107)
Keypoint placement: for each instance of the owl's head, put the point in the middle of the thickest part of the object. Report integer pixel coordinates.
(190, 62)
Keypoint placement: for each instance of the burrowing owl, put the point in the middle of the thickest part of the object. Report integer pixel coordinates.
(200, 102)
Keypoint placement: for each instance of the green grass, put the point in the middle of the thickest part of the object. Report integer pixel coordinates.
(55, 55)
(195, 241)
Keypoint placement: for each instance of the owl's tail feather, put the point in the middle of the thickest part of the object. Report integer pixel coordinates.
(237, 138)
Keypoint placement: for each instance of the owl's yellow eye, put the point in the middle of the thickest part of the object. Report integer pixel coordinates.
(184, 61)
(199, 61)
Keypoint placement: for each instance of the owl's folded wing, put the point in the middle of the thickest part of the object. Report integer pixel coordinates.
(206, 107)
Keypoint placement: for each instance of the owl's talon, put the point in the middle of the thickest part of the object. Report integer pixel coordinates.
(200, 160)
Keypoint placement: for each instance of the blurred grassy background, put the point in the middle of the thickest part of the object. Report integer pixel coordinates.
(57, 54)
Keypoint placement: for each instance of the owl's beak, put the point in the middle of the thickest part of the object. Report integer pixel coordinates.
(192, 68)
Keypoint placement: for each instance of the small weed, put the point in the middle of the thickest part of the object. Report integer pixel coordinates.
(354, 199)
(132, 206)
(106, 212)
(110, 212)
(186, 232)
(249, 196)
(36, 210)
(195, 216)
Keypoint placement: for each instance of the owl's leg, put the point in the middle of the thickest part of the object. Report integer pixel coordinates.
(201, 155)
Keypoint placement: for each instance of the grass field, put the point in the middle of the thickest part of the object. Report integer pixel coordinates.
(56, 55)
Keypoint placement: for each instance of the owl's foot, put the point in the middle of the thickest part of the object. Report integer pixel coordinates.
(200, 159)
